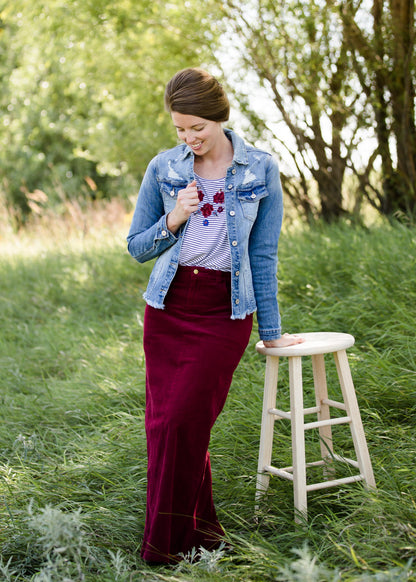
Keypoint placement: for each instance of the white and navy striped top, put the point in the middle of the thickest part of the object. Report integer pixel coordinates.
(205, 243)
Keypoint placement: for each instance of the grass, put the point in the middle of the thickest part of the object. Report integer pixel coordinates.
(72, 443)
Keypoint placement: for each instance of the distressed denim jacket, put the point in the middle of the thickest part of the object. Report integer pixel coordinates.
(254, 210)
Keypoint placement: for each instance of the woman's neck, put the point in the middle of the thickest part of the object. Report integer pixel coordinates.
(214, 164)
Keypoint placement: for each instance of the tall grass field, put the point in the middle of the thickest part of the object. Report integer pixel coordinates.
(72, 393)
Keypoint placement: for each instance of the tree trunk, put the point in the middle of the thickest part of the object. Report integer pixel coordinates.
(402, 99)
(387, 80)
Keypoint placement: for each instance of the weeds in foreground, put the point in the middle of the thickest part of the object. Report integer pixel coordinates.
(72, 443)
(61, 538)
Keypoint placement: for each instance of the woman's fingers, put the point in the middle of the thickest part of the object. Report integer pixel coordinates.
(188, 199)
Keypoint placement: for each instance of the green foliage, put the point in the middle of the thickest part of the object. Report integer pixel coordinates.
(383, 49)
(82, 90)
(299, 53)
(340, 100)
(82, 95)
(72, 440)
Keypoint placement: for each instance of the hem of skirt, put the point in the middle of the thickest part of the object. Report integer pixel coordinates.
(167, 562)
(155, 559)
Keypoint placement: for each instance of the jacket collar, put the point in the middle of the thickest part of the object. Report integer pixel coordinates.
(239, 147)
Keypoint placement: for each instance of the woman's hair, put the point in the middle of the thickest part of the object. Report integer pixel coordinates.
(196, 92)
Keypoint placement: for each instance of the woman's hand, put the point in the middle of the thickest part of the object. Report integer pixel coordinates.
(186, 204)
(284, 341)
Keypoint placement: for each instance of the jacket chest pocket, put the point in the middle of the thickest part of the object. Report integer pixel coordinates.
(249, 200)
(170, 194)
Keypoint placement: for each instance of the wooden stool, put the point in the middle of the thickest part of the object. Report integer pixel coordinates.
(315, 345)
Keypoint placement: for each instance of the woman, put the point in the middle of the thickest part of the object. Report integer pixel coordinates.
(210, 211)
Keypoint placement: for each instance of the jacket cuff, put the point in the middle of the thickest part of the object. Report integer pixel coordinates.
(270, 334)
(163, 232)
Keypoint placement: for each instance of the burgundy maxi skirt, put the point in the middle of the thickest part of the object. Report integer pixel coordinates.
(192, 348)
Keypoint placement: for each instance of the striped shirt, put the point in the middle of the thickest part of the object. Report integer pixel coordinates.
(205, 243)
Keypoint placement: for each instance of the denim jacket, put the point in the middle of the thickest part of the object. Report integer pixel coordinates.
(254, 210)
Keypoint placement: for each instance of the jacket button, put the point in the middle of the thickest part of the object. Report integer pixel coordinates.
(233, 171)
(232, 213)
(237, 273)
(234, 243)
(237, 301)
(254, 195)
(172, 192)
(230, 186)
(164, 233)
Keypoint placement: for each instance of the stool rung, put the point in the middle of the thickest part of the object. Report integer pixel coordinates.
(312, 410)
(288, 415)
(280, 413)
(334, 404)
(329, 422)
(345, 460)
(278, 472)
(286, 472)
(334, 482)
(271, 469)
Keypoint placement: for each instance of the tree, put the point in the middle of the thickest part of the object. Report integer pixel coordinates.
(384, 61)
(300, 54)
(82, 88)
(339, 73)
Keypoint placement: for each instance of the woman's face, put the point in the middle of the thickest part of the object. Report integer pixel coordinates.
(200, 134)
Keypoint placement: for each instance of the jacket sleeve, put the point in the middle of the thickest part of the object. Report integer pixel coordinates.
(263, 246)
(149, 235)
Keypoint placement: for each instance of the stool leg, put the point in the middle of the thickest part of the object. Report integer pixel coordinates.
(298, 438)
(353, 411)
(321, 394)
(267, 424)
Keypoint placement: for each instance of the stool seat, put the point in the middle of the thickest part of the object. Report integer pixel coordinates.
(316, 345)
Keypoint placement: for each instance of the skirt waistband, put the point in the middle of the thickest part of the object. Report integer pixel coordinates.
(195, 272)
